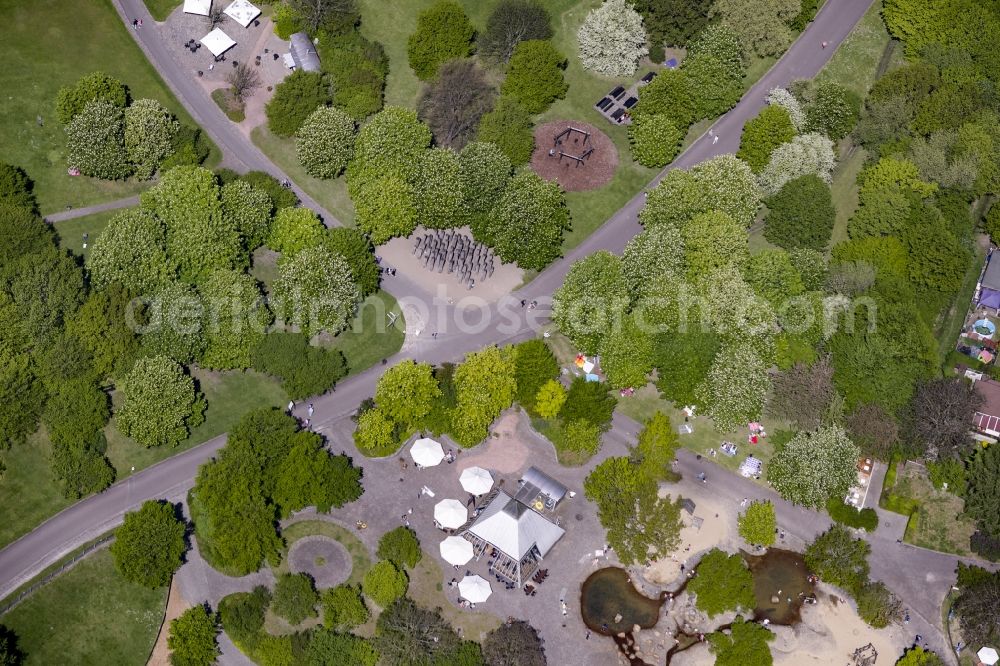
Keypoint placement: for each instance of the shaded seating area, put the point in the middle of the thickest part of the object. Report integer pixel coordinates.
(218, 42)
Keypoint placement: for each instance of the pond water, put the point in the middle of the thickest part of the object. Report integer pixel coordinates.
(608, 593)
(781, 583)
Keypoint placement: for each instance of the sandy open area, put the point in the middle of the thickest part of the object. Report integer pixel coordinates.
(398, 254)
(715, 531)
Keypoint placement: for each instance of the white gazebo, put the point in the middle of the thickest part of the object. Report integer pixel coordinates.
(456, 550)
(475, 589)
(450, 513)
(242, 11)
(199, 7)
(476, 480)
(218, 42)
(988, 656)
(426, 452)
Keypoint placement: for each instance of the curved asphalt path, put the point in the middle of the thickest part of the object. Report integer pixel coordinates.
(26, 557)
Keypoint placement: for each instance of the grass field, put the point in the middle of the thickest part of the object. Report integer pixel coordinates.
(28, 483)
(89, 615)
(31, 79)
(160, 9)
(369, 339)
(939, 523)
(856, 61)
(71, 232)
(427, 590)
(330, 194)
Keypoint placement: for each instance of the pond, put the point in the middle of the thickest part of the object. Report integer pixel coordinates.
(781, 584)
(607, 594)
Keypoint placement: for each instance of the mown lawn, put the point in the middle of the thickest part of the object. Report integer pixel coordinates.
(370, 338)
(427, 589)
(48, 44)
(856, 61)
(89, 615)
(160, 9)
(939, 522)
(70, 232)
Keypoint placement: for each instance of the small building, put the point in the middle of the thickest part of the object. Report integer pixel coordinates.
(988, 292)
(303, 53)
(517, 535)
(987, 419)
(540, 490)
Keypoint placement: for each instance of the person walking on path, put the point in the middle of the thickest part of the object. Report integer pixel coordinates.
(715, 139)
(310, 410)
(291, 406)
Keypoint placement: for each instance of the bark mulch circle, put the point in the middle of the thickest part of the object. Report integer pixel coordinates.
(592, 173)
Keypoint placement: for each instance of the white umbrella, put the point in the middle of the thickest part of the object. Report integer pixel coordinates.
(456, 550)
(450, 513)
(475, 589)
(476, 480)
(426, 452)
(988, 656)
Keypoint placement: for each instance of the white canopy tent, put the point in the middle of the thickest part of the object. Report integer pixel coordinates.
(450, 513)
(218, 42)
(243, 12)
(456, 550)
(199, 7)
(476, 480)
(988, 656)
(426, 452)
(475, 589)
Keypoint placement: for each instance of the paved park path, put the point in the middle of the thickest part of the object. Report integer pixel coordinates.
(921, 577)
(73, 213)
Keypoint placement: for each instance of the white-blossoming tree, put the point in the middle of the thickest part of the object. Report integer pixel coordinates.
(612, 39)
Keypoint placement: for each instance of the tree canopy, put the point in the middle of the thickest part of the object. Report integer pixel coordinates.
(443, 33)
(815, 466)
(722, 583)
(149, 545)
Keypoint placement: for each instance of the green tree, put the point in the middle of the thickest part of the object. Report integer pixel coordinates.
(376, 433)
(131, 251)
(671, 22)
(652, 255)
(839, 559)
(327, 648)
(535, 75)
(159, 403)
(736, 387)
(655, 139)
(250, 209)
(485, 171)
(95, 142)
(149, 545)
(200, 238)
(10, 655)
(980, 504)
(385, 208)
(443, 33)
(16, 188)
(722, 583)
(535, 365)
(713, 240)
(587, 306)
(773, 277)
(281, 197)
(670, 94)
(484, 387)
(325, 142)
(723, 184)
(384, 583)
(801, 214)
(294, 100)
(763, 28)
(762, 134)
(409, 634)
(294, 598)
(81, 468)
(76, 410)
(405, 393)
(192, 638)
(917, 656)
(358, 251)
(815, 466)
(242, 613)
(877, 605)
(344, 608)
(304, 370)
(390, 143)
(656, 447)
(310, 476)
(682, 362)
(235, 319)
(627, 355)
(71, 100)
(612, 39)
(293, 230)
(438, 197)
(715, 65)
(315, 291)
(508, 126)
(514, 643)
(744, 645)
(510, 23)
(550, 399)
(149, 135)
(640, 525)
(528, 225)
(833, 110)
(758, 524)
(579, 438)
(588, 401)
(400, 546)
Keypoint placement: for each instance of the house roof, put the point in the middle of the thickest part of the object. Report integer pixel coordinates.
(515, 528)
(304, 52)
(538, 482)
(991, 277)
(987, 419)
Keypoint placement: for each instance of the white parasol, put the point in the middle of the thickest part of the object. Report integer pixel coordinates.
(988, 656)
(456, 550)
(450, 513)
(476, 480)
(475, 589)
(426, 452)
